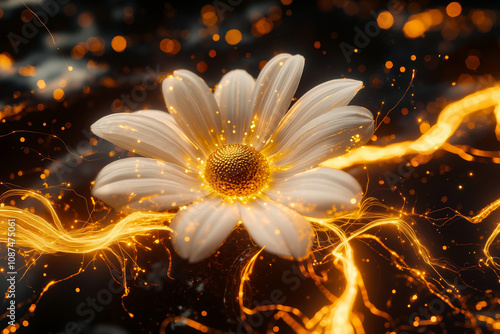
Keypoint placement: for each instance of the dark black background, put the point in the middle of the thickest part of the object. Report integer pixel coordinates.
(209, 285)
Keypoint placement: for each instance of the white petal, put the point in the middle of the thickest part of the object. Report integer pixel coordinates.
(202, 227)
(318, 193)
(193, 106)
(151, 133)
(316, 102)
(274, 90)
(233, 97)
(327, 136)
(146, 184)
(279, 229)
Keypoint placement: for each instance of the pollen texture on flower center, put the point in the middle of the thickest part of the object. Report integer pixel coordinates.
(236, 170)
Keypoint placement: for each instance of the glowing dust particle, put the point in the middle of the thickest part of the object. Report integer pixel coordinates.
(262, 27)
(25, 323)
(212, 53)
(317, 45)
(78, 51)
(286, 2)
(170, 46)
(209, 16)
(445, 247)
(276, 329)
(5, 61)
(186, 239)
(204, 313)
(472, 62)
(404, 111)
(85, 19)
(402, 69)
(58, 94)
(77, 289)
(41, 84)
(389, 64)
(453, 9)
(27, 71)
(43, 176)
(202, 67)
(385, 20)
(22, 140)
(216, 37)
(70, 68)
(414, 28)
(118, 43)
(413, 57)
(233, 37)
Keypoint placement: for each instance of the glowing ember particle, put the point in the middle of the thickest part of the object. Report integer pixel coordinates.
(5, 61)
(233, 37)
(202, 67)
(27, 71)
(414, 28)
(453, 9)
(209, 16)
(385, 20)
(41, 84)
(472, 62)
(118, 43)
(216, 37)
(58, 94)
(389, 64)
(170, 46)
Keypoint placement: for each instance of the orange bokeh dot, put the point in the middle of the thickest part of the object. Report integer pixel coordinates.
(453, 9)
(472, 62)
(202, 67)
(209, 16)
(233, 37)
(170, 46)
(58, 94)
(414, 28)
(389, 64)
(385, 20)
(118, 43)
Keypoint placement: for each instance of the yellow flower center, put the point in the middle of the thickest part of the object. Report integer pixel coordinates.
(236, 170)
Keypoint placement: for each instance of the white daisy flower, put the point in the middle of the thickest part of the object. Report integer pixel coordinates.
(237, 156)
